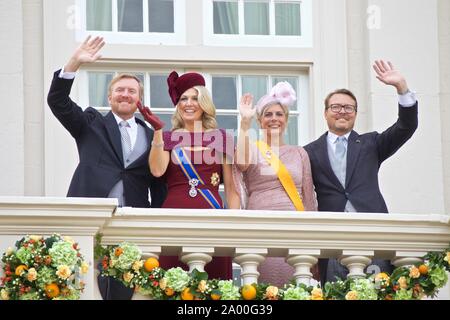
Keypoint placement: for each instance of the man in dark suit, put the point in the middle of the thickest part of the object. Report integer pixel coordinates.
(345, 164)
(113, 149)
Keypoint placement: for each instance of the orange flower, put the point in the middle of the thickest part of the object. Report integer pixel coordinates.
(52, 290)
(186, 294)
(150, 264)
(423, 269)
(248, 292)
(169, 292)
(118, 252)
(215, 296)
(20, 269)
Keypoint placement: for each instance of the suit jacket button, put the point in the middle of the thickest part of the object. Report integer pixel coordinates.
(347, 195)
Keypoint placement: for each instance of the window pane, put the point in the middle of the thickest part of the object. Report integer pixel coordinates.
(160, 16)
(291, 134)
(98, 88)
(256, 85)
(227, 122)
(256, 15)
(159, 92)
(130, 15)
(287, 19)
(226, 19)
(224, 92)
(99, 15)
(167, 119)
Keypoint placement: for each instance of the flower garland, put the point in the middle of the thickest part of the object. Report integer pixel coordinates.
(123, 262)
(43, 269)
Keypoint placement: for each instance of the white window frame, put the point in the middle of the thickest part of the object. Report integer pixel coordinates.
(178, 37)
(271, 40)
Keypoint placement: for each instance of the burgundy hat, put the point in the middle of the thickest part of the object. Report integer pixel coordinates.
(179, 85)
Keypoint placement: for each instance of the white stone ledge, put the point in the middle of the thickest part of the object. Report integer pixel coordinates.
(248, 235)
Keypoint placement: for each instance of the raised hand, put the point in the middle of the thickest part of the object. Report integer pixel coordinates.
(246, 108)
(151, 118)
(87, 52)
(387, 74)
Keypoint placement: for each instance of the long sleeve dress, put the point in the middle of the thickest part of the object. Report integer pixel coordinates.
(208, 165)
(260, 189)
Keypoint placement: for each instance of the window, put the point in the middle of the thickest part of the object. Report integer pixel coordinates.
(135, 21)
(258, 22)
(226, 90)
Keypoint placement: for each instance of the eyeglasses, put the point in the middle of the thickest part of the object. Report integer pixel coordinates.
(348, 108)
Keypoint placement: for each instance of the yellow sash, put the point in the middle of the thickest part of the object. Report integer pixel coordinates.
(282, 173)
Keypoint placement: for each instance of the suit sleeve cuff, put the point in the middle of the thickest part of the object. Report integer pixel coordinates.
(66, 75)
(408, 99)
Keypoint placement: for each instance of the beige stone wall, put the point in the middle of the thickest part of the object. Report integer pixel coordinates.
(33, 79)
(12, 96)
(444, 70)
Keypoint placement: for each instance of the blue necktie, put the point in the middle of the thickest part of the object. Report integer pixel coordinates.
(340, 154)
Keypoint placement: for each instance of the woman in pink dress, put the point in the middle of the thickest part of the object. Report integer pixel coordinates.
(255, 169)
(194, 158)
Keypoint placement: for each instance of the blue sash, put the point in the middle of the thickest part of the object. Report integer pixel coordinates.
(194, 179)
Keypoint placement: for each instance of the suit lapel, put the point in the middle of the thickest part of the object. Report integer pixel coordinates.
(353, 150)
(324, 160)
(114, 135)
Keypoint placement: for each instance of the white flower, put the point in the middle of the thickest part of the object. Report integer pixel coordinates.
(351, 295)
(63, 272)
(69, 239)
(137, 265)
(128, 276)
(163, 283)
(202, 286)
(414, 272)
(4, 295)
(447, 257)
(32, 274)
(84, 267)
(271, 293)
(9, 251)
(402, 283)
(35, 237)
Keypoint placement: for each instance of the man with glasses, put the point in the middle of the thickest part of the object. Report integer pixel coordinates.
(345, 164)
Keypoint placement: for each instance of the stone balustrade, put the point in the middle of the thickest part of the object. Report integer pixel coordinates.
(247, 236)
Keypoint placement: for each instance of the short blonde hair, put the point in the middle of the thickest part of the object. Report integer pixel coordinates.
(207, 105)
(274, 103)
(121, 76)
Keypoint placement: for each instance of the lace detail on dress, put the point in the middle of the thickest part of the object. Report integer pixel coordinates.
(259, 187)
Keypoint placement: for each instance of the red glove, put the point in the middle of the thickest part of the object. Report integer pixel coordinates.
(151, 118)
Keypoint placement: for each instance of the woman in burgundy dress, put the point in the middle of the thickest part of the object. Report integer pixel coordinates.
(194, 157)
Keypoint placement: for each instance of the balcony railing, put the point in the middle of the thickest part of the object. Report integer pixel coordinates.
(247, 236)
